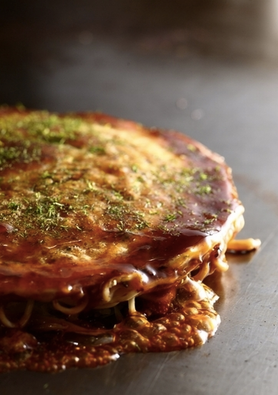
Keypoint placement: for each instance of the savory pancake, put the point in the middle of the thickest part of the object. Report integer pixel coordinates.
(104, 222)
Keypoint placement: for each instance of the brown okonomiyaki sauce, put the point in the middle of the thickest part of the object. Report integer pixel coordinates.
(107, 231)
(172, 317)
(56, 345)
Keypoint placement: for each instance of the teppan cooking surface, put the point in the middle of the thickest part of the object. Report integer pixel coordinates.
(210, 70)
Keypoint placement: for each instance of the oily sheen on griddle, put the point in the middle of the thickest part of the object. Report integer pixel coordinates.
(107, 227)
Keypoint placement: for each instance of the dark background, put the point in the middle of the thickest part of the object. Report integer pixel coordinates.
(208, 68)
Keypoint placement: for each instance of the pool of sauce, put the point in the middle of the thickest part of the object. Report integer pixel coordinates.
(51, 345)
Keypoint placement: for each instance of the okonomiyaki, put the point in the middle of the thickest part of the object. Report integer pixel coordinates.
(107, 231)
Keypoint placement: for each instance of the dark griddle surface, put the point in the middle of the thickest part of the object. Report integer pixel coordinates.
(206, 68)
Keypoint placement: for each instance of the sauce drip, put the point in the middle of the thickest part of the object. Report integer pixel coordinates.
(50, 345)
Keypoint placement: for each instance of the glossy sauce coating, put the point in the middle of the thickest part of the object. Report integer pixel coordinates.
(95, 212)
(85, 195)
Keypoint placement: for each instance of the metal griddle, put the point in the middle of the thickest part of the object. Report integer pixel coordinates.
(210, 70)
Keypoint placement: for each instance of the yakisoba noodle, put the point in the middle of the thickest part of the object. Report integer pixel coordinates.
(113, 293)
(22, 321)
(72, 309)
(108, 230)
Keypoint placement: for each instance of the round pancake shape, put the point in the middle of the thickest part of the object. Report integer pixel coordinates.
(88, 200)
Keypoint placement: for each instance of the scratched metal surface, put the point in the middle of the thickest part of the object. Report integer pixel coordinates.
(208, 69)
